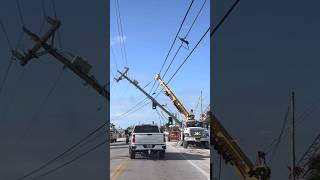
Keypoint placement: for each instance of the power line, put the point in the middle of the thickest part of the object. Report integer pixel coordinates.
(13, 97)
(55, 16)
(6, 34)
(195, 19)
(224, 18)
(63, 153)
(175, 38)
(71, 161)
(10, 61)
(87, 142)
(20, 12)
(43, 103)
(21, 35)
(115, 60)
(182, 45)
(120, 32)
(5, 76)
(131, 110)
(189, 55)
(196, 107)
(301, 118)
(280, 135)
(120, 20)
(44, 14)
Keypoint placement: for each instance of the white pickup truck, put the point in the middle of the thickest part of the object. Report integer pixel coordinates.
(147, 139)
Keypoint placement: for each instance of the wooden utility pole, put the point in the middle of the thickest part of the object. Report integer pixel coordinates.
(41, 42)
(201, 106)
(135, 83)
(293, 162)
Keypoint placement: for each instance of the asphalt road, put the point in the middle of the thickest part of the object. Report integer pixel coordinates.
(178, 164)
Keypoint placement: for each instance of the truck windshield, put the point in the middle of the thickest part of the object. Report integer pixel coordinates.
(146, 129)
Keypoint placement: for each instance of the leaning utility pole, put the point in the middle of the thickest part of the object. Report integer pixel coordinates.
(155, 102)
(77, 65)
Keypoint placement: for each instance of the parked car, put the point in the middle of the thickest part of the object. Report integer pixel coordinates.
(147, 140)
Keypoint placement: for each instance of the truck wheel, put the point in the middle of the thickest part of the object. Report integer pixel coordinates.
(162, 154)
(132, 155)
(185, 144)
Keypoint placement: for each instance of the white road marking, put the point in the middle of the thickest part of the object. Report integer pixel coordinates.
(193, 164)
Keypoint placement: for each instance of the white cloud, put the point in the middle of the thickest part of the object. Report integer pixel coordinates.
(117, 40)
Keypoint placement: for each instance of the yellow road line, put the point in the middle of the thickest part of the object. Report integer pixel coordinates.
(119, 169)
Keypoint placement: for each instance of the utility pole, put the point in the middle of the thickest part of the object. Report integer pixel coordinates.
(81, 69)
(201, 105)
(293, 162)
(155, 102)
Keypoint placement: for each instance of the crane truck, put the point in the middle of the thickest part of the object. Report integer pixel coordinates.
(192, 133)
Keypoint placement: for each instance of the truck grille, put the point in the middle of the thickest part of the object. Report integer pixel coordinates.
(196, 133)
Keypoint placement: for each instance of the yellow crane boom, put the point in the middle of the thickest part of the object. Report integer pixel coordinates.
(231, 152)
(175, 100)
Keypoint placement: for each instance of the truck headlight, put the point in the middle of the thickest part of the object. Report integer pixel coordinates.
(206, 134)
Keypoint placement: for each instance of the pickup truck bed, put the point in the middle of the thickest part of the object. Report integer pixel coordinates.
(147, 140)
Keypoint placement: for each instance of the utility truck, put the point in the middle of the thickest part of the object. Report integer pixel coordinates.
(192, 132)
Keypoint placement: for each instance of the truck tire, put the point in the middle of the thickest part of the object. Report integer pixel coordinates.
(162, 154)
(132, 155)
(185, 144)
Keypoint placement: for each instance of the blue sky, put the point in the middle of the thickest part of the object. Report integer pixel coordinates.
(149, 28)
